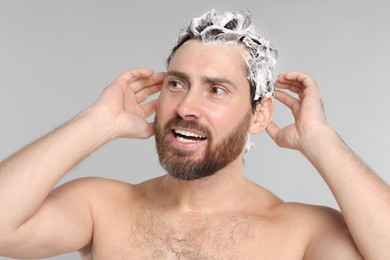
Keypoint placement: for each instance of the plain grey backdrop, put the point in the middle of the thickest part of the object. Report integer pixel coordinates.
(57, 56)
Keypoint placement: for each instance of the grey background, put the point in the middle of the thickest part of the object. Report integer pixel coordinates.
(57, 56)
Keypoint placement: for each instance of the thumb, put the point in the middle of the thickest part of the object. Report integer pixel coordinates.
(272, 130)
(148, 132)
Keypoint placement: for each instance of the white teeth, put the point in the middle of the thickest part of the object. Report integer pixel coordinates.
(186, 133)
(182, 134)
(183, 140)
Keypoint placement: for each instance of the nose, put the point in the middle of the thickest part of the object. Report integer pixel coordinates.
(191, 106)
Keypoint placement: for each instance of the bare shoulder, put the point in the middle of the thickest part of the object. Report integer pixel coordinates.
(106, 193)
(92, 186)
(97, 190)
(327, 234)
(104, 198)
(311, 214)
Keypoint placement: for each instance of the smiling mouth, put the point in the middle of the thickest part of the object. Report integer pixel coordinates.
(187, 136)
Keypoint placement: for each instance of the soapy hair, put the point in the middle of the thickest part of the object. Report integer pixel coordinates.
(236, 28)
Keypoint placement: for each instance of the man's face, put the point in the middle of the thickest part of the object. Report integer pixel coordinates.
(203, 113)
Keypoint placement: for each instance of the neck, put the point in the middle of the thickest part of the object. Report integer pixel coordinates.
(223, 190)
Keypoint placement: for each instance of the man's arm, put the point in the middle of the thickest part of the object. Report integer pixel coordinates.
(37, 223)
(364, 199)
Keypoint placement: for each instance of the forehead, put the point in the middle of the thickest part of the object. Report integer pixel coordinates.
(195, 58)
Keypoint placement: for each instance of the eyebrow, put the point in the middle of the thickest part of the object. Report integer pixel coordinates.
(178, 74)
(210, 80)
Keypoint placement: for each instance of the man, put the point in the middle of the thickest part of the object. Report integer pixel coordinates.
(216, 90)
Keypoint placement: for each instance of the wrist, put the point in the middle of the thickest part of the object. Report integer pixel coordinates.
(99, 123)
(317, 139)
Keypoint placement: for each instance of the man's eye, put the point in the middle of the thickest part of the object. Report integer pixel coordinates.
(217, 90)
(175, 85)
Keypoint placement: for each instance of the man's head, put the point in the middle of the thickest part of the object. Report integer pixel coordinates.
(236, 29)
(205, 109)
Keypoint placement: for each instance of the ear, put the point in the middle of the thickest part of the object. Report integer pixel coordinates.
(263, 116)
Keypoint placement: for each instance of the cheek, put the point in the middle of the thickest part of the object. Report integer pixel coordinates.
(227, 111)
(165, 106)
(162, 102)
(167, 101)
(221, 117)
(226, 118)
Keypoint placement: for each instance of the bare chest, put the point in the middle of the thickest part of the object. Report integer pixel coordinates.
(199, 238)
(152, 235)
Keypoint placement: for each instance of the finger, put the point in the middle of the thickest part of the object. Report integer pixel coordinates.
(282, 79)
(133, 74)
(306, 79)
(300, 79)
(139, 84)
(147, 92)
(292, 86)
(292, 103)
(150, 108)
(285, 98)
(298, 82)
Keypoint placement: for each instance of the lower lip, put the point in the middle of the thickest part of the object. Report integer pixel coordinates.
(186, 145)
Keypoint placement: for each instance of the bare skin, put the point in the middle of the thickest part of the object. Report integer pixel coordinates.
(252, 229)
(224, 216)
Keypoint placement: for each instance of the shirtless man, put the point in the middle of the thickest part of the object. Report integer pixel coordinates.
(216, 90)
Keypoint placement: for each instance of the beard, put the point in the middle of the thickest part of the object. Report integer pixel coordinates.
(181, 164)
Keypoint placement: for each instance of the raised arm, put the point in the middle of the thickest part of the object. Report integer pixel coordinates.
(35, 222)
(363, 197)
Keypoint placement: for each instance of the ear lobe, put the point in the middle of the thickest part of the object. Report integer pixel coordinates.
(263, 116)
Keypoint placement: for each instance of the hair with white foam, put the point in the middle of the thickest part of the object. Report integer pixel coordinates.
(236, 28)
